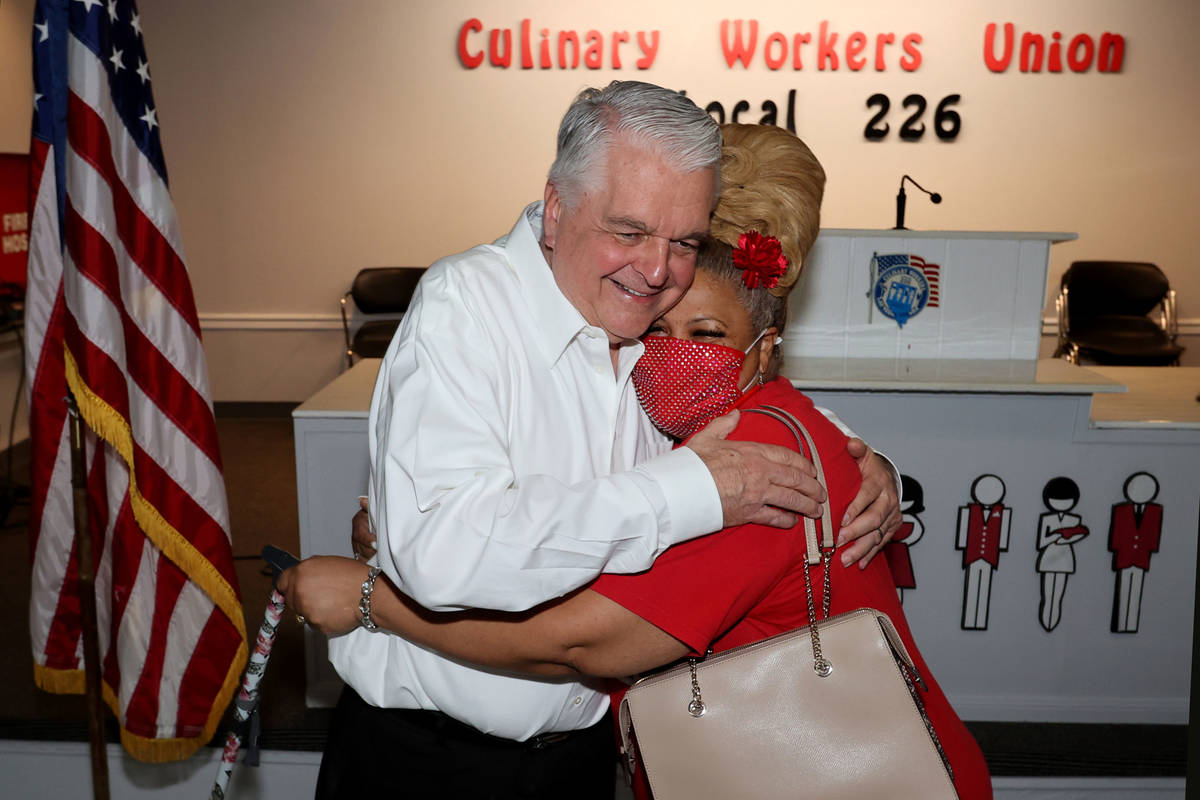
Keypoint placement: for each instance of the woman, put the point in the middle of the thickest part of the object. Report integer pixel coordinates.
(717, 349)
(1059, 531)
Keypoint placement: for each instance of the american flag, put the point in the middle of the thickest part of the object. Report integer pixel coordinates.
(932, 274)
(110, 314)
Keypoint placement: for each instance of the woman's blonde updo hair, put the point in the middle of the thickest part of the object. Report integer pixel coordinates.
(770, 183)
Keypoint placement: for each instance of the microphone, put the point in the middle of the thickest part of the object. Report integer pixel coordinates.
(902, 199)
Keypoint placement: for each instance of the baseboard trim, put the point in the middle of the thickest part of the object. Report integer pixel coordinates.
(270, 322)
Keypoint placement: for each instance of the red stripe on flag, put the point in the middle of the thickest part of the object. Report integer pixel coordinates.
(141, 712)
(128, 541)
(204, 677)
(144, 243)
(63, 637)
(151, 371)
(184, 514)
(102, 375)
(47, 416)
(62, 640)
(38, 152)
(175, 505)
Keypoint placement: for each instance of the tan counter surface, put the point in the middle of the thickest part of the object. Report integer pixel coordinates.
(1158, 398)
(1124, 397)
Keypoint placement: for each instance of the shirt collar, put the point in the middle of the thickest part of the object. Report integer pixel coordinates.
(555, 318)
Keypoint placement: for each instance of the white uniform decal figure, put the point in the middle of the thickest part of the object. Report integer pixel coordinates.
(983, 528)
(1058, 532)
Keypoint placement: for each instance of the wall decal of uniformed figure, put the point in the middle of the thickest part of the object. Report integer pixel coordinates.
(1058, 532)
(909, 533)
(983, 528)
(1133, 534)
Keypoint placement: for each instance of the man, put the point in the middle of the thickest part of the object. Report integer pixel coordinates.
(983, 531)
(505, 439)
(1134, 533)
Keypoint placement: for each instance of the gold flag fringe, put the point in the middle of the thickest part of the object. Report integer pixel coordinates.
(109, 425)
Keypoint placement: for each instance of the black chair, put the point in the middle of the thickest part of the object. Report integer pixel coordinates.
(1102, 308)
(382, 292)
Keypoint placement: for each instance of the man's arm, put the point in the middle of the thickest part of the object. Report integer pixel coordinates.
(461, 525)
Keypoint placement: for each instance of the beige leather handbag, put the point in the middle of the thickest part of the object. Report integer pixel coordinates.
(832, 710)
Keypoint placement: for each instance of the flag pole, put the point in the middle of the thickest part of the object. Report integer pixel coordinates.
(87, 599)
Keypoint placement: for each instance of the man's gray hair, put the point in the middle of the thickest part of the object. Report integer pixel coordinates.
(662, 119)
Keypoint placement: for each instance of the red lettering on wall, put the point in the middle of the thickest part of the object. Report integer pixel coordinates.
(989, 47)
(912, 56)
(736, 50)
(649, 49)
(855, 43)
(1076, 62)
(1112, 52)
(1054, 61)
(797, 40)
(1034, 51)
(1033, 47)
(881, 41)
(825, 52)
(739, 45)
(526, 47)
(562, 48)
(775, 61)
(618, 37)
(593, 57)
(496, 58)
(565, 38)
(469, 60)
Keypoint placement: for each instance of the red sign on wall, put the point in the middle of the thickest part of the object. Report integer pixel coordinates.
(14, 221)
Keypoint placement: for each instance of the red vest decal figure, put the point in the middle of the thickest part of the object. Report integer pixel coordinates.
(983, 528)
(1133, 534)
(911, 529)
(1058, 532)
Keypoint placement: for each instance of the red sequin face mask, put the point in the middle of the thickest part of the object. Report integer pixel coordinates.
(684, 385)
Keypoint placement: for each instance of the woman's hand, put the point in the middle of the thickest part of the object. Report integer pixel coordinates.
(873, 517)
(325, 590)
(362, 540)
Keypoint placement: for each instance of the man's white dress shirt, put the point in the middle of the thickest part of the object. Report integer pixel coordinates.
(509, 466)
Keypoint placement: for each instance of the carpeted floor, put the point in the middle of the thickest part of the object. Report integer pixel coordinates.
(257, 448)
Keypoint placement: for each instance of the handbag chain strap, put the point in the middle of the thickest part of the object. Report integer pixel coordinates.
(816, 552)
(820, 552)
(821, 665)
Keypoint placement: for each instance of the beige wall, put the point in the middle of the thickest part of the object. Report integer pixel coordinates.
(306, 140)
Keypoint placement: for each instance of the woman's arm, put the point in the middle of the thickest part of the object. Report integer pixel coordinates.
(582, 633)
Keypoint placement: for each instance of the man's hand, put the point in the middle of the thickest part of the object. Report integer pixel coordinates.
(760, 483)
(873, 517)
(362, 540)
(325, 590)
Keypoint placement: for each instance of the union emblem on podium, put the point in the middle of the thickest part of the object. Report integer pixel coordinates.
(903, 285)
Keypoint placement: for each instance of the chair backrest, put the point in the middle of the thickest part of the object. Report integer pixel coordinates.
(385, 290)
(1101, 288)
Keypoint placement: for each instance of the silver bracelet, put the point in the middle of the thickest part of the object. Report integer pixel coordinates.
(364, 605)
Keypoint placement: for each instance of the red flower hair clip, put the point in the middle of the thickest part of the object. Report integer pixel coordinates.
(761, 260)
